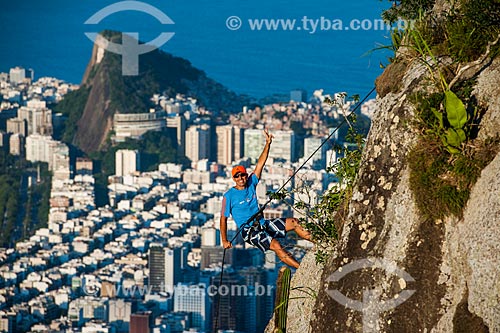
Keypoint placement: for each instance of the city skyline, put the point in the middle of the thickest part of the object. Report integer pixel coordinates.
(90, 261)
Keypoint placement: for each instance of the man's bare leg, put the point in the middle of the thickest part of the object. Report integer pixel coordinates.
(292, 223)
(283, 255)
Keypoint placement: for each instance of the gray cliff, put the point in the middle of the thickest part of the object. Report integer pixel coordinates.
(454, 261)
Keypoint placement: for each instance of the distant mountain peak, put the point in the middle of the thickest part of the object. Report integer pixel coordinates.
(109, 91)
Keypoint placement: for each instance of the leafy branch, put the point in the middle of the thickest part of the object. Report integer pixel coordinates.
(323, 215)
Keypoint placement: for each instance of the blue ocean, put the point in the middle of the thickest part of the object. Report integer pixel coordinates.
(302, 46)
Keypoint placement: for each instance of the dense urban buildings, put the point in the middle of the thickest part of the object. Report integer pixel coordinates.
(150, 261)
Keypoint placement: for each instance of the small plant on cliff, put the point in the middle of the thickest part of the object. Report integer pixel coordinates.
(456, 127)
(325, 218)
(447, 160)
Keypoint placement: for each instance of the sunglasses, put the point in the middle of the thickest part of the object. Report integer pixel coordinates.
(239, 174)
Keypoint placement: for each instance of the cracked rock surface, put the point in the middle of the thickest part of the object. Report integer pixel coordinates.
(453, 265)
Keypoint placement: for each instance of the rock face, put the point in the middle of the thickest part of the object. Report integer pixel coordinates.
(97, 117)
(404, 273)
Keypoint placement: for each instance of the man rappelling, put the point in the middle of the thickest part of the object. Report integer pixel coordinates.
(241, 203)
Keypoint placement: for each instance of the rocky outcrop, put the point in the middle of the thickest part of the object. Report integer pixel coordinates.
(97, 118)
(111, 92)
(398, 271)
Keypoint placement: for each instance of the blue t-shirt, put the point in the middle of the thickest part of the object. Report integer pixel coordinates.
(241, 204)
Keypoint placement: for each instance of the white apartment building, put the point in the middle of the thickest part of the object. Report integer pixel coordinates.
(198, 142)
(42, 148)
(172, 266)
(310, 146)
(59, 162)
(238, 143)
(16, 144)
(254, 143)
(283, 146)
(136, 124)
(229, 144)
(209, 236)
(225, 144)
(127, 162)
(37, 116)
(17, 126)
(193, 299)
(17, 75)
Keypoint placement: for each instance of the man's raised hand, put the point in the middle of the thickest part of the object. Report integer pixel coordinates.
(269, 137)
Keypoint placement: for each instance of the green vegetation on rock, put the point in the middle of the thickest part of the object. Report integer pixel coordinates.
(72, 107)
(449, 157)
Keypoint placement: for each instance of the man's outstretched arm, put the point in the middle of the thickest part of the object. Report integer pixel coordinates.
(263, 156)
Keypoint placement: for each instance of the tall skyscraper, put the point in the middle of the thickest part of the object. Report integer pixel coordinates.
(198, 142)
(225, 144)
(319, 158)
(231, 309)
(259, 301)
(173, 273)
(38, 148)
(229, 144)
(156, 264)
(283, 146)
(254, 143)
(195, 300)
(164, 268)
(127, 162)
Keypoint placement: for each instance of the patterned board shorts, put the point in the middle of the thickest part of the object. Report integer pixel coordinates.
(261, 235)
